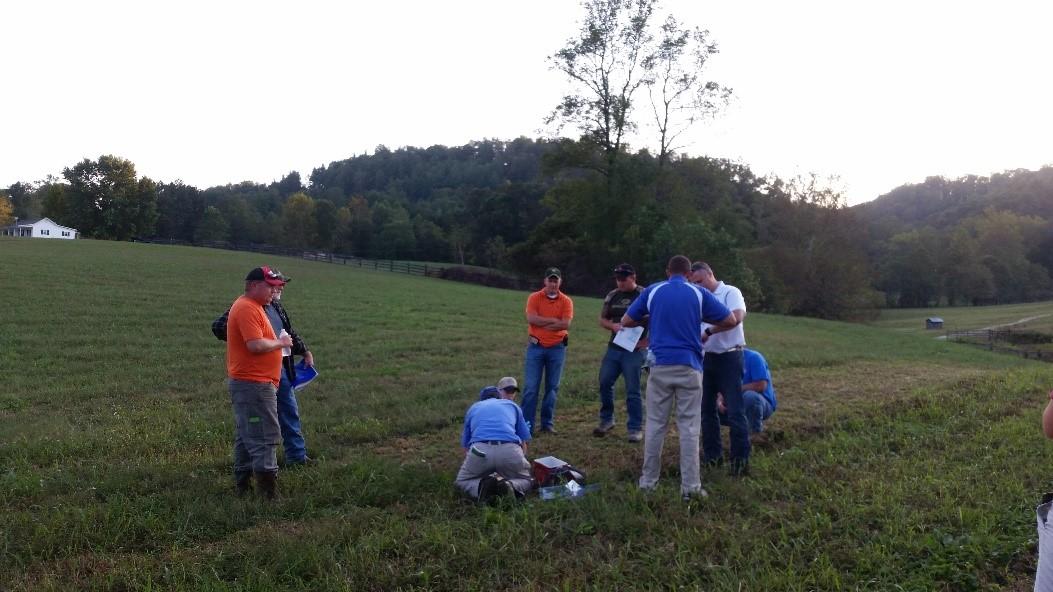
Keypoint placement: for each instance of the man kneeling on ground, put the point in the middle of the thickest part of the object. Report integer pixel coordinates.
(758, 394)
(495, 441)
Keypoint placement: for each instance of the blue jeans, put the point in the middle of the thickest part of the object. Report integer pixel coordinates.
(616, 362)
(289, 420)
(758, 410)
(550, 361)
(722, 373)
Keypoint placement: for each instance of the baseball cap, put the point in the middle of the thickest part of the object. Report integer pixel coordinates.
(266, 274)
(489, 392)
(624, 269)
(553, 271)
(507, 382)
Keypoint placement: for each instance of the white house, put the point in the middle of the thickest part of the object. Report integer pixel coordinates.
(38, 228)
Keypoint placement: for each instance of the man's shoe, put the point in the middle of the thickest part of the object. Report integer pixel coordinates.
(268, 484)
(306, 461)
(713, 463)
(494, 487)
(242, 483)
(602, 429)
(548, 430)
(635, 436)
(699, 495)
(739, 468)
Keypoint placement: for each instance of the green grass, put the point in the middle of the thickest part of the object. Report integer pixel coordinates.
(894, 462)
(959, 318)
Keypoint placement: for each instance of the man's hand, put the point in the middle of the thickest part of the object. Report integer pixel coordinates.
(308, 357)
(721, 407)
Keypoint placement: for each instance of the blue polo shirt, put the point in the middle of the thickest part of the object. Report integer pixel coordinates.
(677, 310)
(499, 420)
(755, 367)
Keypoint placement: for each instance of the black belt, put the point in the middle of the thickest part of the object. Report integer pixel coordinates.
(495, 442)
(729, 350)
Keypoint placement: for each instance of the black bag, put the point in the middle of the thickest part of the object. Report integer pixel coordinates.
(219, 326)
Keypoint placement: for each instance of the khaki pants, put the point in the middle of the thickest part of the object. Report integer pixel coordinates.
(506, 459)
(670, 387)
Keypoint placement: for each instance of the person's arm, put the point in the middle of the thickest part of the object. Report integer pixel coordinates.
(262, 346)
(546, 322)
(726, 324)
(757, 386)
(1047, 418)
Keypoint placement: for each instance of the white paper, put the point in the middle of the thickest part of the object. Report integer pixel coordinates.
(628, 337)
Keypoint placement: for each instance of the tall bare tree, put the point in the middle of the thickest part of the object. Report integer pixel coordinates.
(680, 94)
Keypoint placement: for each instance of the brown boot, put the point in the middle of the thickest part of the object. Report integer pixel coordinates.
(242, 483)
(268, 484)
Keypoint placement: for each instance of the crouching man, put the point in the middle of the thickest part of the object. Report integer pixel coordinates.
(495, 441)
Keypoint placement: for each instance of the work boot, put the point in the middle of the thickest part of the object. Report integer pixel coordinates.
(242, 483)
(268, 484)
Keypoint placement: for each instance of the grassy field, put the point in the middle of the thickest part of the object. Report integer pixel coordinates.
(959, 318)
(894, 462)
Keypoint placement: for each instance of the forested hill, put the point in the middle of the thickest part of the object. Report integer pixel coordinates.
(941, 203)
(971, 240)
(417, 174)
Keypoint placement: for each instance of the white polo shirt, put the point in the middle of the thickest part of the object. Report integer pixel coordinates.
(731, 297)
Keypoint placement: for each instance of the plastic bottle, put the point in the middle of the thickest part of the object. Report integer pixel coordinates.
(286, 351)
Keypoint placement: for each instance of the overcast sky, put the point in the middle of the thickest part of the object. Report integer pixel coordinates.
(217, 92)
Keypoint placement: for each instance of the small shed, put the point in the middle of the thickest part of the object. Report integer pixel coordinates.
(934, 323)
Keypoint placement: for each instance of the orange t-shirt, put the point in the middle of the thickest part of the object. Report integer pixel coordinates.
(560, 307)
(247, 322)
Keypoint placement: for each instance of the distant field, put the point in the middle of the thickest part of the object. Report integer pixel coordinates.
(894, 462)
(912, 320)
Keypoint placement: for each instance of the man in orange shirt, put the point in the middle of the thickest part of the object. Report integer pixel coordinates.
(549, 312)
(254, 364)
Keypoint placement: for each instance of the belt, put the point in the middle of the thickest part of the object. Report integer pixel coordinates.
(494, 442)
(729, 350)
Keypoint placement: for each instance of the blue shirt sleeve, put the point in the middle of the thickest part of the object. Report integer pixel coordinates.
(712, 309)
(466, 433)
(638, 309)
(522, 430)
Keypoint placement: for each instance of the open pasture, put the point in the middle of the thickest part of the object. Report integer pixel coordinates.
(1036, 316)
(894, 462)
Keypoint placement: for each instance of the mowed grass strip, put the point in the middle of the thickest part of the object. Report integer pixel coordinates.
(893, 460)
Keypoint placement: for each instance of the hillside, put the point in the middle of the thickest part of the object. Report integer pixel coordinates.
(893, 459)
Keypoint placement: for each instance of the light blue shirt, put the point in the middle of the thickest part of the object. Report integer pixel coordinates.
(498, 420)
(677, 310)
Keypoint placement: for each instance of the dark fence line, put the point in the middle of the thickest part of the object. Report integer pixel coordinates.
(447, 271)
(987, 338)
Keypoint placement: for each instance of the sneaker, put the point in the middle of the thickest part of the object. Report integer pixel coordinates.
(688, 496)
(739, 468)
(490, 487)
(548, 430)
(713, 463)
(635, 436)
(493, 487)
(602, 429)
(306, 461)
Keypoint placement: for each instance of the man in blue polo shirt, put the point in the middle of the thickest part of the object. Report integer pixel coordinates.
(494, 440)
(676, 309)
(758, 393)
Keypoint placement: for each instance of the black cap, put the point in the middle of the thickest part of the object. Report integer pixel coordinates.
(553, 272)
(266, 274)
(624, 270)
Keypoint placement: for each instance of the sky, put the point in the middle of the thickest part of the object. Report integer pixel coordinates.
(874, 94)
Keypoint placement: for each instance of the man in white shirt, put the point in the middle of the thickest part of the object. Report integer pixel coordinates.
(722, 373)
